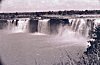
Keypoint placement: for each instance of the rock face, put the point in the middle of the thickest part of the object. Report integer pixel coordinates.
(55, 24)
(3, 23)
(33, 25)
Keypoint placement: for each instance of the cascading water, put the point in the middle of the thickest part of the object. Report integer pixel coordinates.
(75, 25)
(55, 26)
(96, 22)
(17, 26)
(83, 29)
(22, 26)
(51, 26)
(83, 26)
(43, 26)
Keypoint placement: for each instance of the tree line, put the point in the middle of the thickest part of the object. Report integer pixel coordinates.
(31, 14)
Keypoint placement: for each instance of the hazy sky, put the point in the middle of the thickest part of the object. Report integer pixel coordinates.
(45, 5)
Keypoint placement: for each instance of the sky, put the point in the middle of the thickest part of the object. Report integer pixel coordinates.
(46, 5)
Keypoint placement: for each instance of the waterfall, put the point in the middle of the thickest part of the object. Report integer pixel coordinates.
(84, 26)
(80, 26)
(43, 26)
(17, 26)
(96, 22)
(22, 26)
